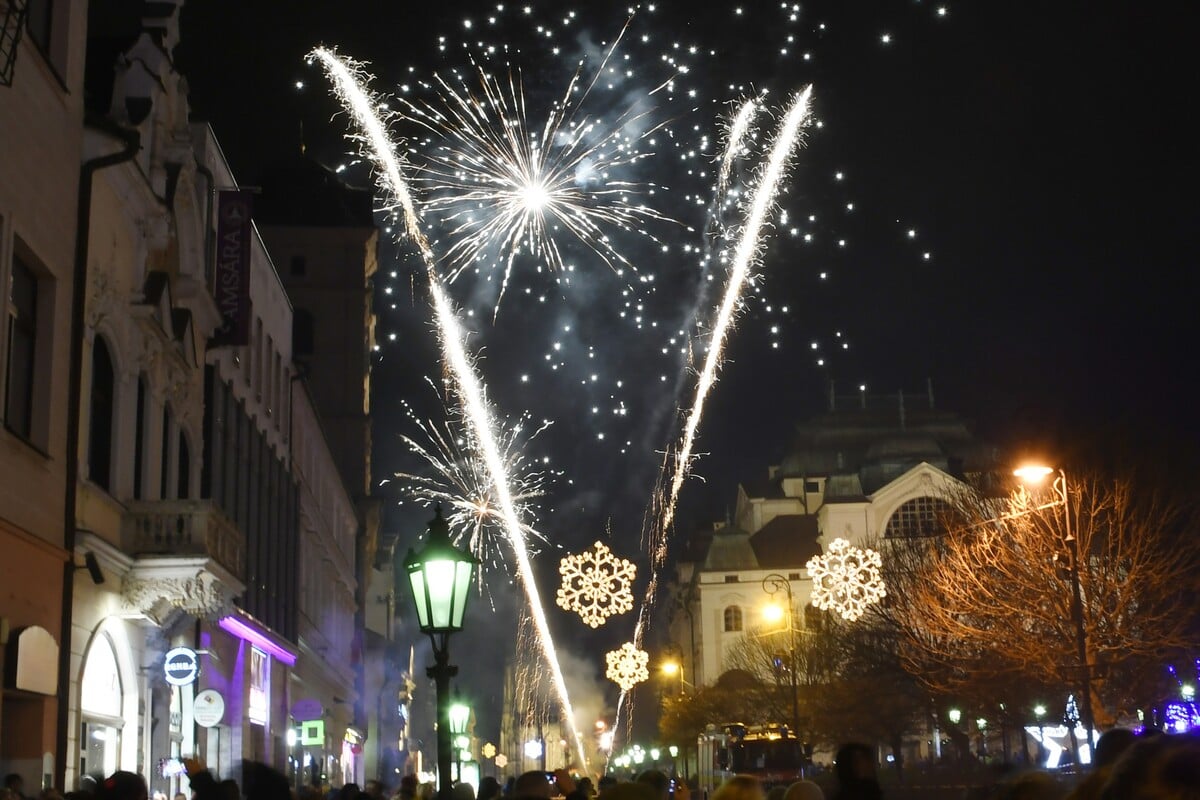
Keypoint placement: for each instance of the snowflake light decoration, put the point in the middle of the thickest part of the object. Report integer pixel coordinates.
(846, 579)
(627, 666)
(596, 585)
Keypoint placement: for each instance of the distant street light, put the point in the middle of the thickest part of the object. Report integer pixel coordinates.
(772, 585)
(460, 716)
(1033, 475)
(440, 578)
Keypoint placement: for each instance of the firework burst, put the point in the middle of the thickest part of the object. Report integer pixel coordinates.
(458, 480)
(502, 188)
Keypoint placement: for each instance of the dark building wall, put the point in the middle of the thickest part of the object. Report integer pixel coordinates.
(256, 490)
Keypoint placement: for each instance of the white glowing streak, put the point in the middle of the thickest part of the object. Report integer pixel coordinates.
(747, 249)
(737, 132)
(354, 97)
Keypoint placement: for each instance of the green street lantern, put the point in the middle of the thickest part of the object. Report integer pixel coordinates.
(460, 714)
(440, 577)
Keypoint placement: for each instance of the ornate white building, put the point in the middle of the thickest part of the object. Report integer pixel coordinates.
(869, 468)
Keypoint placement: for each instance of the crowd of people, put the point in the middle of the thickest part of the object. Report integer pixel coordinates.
(1125, 767)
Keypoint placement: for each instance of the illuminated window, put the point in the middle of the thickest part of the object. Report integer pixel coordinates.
(22, 349)
(733, 619)
(917, 518)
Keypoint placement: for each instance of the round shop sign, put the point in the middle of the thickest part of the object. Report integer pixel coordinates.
(181, 666)
(208, 708)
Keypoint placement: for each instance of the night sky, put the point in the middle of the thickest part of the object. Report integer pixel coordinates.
(1043, 154)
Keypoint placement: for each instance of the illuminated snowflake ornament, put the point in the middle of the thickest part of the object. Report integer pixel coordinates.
(596, 585)
(846, 579)
(627, 666)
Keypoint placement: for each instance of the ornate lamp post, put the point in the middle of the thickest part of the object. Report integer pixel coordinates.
(773, 584)
(1034, 475)
(460, 715)
(440, 577)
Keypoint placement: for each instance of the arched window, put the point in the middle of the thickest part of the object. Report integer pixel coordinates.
(184, 473)
(917, 518)
(101, 404)
(733, 619)
(101, 700)
(303, 334)
(139, 438)
(164, 462)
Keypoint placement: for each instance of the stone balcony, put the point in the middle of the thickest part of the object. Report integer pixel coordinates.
(187, 556)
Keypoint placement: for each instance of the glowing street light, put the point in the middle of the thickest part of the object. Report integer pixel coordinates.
(1033, 474)
(954, 715)
(772, 585)
(460, 716)
(440, 578)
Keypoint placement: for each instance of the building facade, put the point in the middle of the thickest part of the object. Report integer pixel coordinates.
(41, 132)
(156, 510)
(323, 235)
(870, 468)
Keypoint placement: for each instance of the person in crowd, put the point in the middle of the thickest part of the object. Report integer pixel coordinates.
(122, 785)
(462, 791)
(1109, 747)
(15, 784)
(1162, 767)
(373, 790)
(854, 767)
(531, 785)
(1030, 786)
(606, 783)
(804, 790)
(408, 788)
(489, 788)
(739, 787)
(627, 790)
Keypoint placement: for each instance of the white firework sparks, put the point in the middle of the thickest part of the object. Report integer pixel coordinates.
(460, 482)
(348, 80)
(746, 253)
(503, 188)
(846, 579)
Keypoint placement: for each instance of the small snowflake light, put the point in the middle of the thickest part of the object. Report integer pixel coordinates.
(846, 579)
(627, 666)
(596, 585)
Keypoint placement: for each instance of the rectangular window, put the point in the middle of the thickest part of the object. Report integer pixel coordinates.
(812, 487)
(731, 578)
(22, 349)
(260, 687)
(38, 21)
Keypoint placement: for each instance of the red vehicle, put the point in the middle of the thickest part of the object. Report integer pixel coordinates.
(771, 753)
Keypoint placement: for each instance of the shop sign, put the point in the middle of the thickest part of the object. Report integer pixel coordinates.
(181, 666)
(208, 708)
(501, 760)
(307, 709)
(312, 732)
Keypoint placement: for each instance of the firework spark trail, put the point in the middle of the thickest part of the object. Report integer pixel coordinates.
(738, 129)
(748, 248)
(461, 483)
(349, 84)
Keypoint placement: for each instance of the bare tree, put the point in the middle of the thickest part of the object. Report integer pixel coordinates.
(988, 603)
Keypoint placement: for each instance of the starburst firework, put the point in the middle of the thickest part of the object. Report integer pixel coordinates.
(461, 483)
(846, 579)
(503, 188)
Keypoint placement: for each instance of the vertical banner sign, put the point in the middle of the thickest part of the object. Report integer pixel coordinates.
(232, 275)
